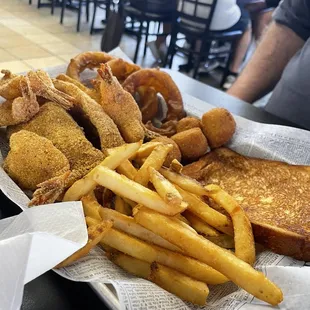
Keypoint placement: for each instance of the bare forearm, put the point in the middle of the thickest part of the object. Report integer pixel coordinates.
(264, 70)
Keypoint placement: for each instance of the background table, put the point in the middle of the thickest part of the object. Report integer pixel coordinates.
(52, 292)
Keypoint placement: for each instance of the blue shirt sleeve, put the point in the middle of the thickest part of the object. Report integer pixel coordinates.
(295, 14)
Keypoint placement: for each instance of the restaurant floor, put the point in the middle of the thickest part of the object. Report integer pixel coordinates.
(32, 38)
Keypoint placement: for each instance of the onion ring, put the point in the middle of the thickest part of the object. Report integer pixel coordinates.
(163, 84)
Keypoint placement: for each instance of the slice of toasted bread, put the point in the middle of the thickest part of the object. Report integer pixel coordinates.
(275, 196)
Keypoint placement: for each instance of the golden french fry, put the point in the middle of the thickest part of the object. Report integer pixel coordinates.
(128, 225)
(145, 149)
(155, 160)
(95, 234)
(90, 221)
(121, 206)
(224, 241)
(126, 168)
(150, 253)
(83, 186)
(182, 218)
(127, 188)
(165, 189)
(176, 166)
(179, 284)
(212, 217)
(200, 226)
(172, 281)
(132, 265)
(220, 259)
(91, 207)
(243, 233)
(188, 184)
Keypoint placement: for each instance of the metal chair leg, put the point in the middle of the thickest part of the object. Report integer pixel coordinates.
(139, 36)
(87, 10)
(52, 7)
(94, 17)
(79, 16)
(39, 4)
(146, 37)
(30, 2)
(64, 3)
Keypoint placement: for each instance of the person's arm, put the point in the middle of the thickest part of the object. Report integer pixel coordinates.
(264, 70)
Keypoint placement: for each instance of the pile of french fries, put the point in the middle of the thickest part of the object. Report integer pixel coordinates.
(157, 224)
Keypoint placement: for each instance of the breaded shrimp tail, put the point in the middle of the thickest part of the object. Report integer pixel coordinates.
(120, 106)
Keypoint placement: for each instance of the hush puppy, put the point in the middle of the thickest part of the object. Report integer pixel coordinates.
(218, 126)
(192, 143)
(188, 122)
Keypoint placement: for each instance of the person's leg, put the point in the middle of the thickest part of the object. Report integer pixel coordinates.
(162, 39)
(241, 50)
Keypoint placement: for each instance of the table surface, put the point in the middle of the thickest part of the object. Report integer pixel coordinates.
(51, 291)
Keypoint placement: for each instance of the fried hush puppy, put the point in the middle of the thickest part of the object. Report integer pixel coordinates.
(188, 122)
(175, 153)
(218, 126)
(120, 106)
(33, 159)
(192, 143)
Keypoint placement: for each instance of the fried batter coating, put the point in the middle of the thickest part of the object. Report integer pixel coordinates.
(86, 60)
(9, 85)
(175, 153)
(188, 122)
(25, 107)
(33, 159)
(89, 91)
(166, 129)
(192, 143)
(218, 126)
(55, 124)
(120, 106)
(121, 69)
(148, 103)
(107, 130)
(6, 117)
(42, 85)
(163, 84)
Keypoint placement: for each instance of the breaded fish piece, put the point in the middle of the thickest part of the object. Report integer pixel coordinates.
(106, 129)
(120, 106)
(33, 159)
(55, 124)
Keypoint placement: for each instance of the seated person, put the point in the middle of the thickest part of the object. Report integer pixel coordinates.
(227, 16)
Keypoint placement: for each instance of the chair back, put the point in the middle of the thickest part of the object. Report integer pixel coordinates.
(195, 14)
(155, 6)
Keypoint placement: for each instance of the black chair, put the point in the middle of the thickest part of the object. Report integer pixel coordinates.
(101, 4)
(142, 13)
(70, 4)
(195, 28)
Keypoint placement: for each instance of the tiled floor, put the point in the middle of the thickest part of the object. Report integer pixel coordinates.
(32, 38)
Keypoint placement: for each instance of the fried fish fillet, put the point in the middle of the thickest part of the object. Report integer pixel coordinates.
(33, 159)
(275, 196)
(55, 124)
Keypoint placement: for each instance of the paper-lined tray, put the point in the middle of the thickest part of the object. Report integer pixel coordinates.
(120, 290)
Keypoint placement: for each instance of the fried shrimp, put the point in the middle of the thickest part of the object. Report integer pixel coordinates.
(91, 92)
(85, 60)
(33, 159)
(120, 106)
(9, 85)
(107, 131)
